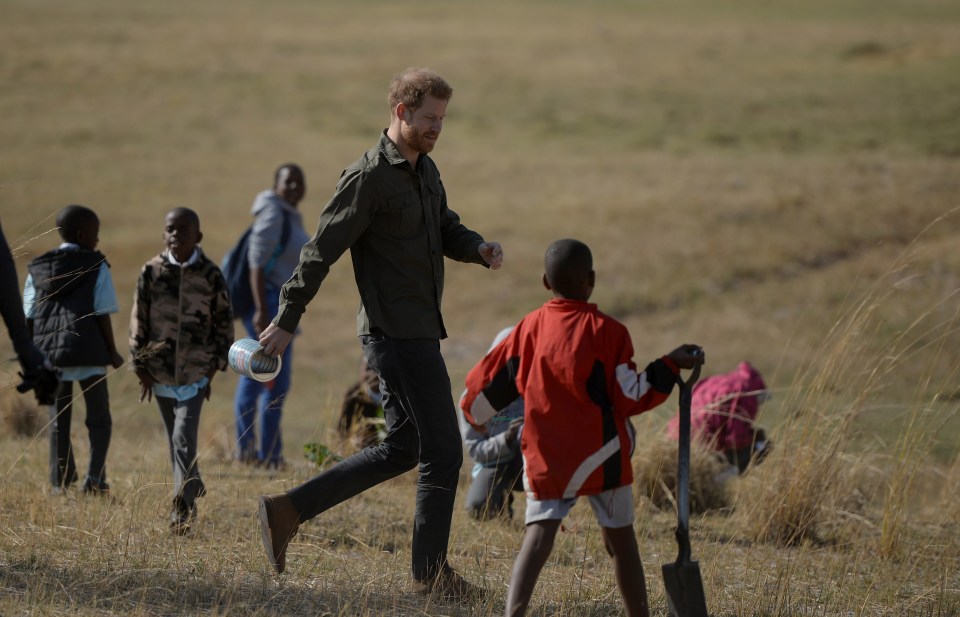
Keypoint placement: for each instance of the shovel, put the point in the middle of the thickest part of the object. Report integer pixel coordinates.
(682, 578)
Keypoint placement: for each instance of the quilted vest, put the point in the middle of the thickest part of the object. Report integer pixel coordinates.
(64, 326)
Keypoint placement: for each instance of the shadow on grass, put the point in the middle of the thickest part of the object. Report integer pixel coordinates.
(39, 587)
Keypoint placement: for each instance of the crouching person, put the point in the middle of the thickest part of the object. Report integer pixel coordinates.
(498, 463)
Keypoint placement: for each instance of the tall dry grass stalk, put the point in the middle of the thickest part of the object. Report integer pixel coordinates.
(811, 475)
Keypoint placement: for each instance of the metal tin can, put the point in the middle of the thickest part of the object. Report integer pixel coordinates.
(246, 357)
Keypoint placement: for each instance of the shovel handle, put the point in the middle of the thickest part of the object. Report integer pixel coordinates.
(683, 466)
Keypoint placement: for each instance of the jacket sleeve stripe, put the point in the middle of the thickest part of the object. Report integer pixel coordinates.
(633, 385)
(480, 411)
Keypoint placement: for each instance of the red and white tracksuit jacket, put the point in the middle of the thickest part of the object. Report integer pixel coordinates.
(573, 366)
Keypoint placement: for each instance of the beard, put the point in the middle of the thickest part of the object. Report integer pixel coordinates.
(417, 140)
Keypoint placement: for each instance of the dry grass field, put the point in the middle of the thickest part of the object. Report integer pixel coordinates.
(777, 181)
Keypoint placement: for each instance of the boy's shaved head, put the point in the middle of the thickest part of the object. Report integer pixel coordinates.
(73, 219)
(568, 268)
(185, 213)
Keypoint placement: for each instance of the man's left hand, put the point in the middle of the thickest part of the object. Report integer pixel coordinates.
(492, 254)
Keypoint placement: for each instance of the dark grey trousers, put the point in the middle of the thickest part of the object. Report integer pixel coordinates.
(63, 467)
(182, 421)
(422, 428)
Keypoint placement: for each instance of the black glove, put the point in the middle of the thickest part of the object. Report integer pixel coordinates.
(43, 381)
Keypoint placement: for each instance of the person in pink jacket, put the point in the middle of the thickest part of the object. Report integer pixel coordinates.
(723, 413)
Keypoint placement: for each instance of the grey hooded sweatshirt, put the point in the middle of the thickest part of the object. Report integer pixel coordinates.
(269, 210)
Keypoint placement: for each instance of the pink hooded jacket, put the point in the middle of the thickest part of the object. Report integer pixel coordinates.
(724, 408)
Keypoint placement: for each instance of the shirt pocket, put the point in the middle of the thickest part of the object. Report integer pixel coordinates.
(401, 215)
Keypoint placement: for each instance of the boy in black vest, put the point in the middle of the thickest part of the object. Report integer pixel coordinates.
(67, 299)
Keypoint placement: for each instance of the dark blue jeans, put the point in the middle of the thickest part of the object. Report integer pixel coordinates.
(421, 428)
(258, 407)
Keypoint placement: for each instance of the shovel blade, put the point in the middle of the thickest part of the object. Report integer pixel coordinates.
(685, 597)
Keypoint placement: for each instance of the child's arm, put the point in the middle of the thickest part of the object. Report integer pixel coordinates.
(106, 329)
(104, 303)
(139, 334)
(644, 390)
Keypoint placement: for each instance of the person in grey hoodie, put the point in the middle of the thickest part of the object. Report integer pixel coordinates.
(498, 463)
(259, 406)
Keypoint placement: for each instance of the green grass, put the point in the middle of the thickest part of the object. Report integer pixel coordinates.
(777, 181)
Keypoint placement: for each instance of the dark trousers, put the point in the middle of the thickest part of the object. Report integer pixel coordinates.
(63, 467)
(422, 428)
(491, 492)
(182, 421)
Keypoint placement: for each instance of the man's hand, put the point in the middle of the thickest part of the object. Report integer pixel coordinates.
(687, 356)
(492, 254)
(274, 340)
(116, 360)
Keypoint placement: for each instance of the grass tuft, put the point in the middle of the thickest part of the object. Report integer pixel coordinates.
(20, 416)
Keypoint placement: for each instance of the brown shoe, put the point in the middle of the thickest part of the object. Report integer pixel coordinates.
(279, 521)
(449, 585)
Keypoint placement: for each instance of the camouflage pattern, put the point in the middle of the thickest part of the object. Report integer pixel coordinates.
(181, 325)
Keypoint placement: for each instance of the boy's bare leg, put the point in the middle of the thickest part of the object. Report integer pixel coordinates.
(621, 544)
(536, 547)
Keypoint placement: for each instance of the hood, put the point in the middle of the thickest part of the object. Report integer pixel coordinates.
(718, 389)
(268, 198)
(750, 378)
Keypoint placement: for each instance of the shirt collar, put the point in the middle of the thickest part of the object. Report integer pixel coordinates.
(193, 258)
(390, 150)
(566, 304)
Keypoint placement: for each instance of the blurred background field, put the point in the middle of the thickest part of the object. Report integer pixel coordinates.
(777, 181)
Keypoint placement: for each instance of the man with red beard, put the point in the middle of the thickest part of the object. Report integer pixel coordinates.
(390, 210)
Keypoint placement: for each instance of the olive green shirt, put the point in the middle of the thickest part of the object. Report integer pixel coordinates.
(396, 223)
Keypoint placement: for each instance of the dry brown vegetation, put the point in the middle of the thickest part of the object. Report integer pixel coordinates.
(775, 181)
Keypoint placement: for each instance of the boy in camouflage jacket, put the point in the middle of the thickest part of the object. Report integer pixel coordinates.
(181, 329)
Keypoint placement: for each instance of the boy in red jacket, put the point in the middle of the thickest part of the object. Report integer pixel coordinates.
(573, 366)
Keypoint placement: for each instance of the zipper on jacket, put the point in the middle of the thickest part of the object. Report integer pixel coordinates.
(176, 354)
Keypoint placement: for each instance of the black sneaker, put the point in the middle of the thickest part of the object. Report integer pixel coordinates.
(180, 527)
(182, 522)
(448, 584)
(94, 487)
